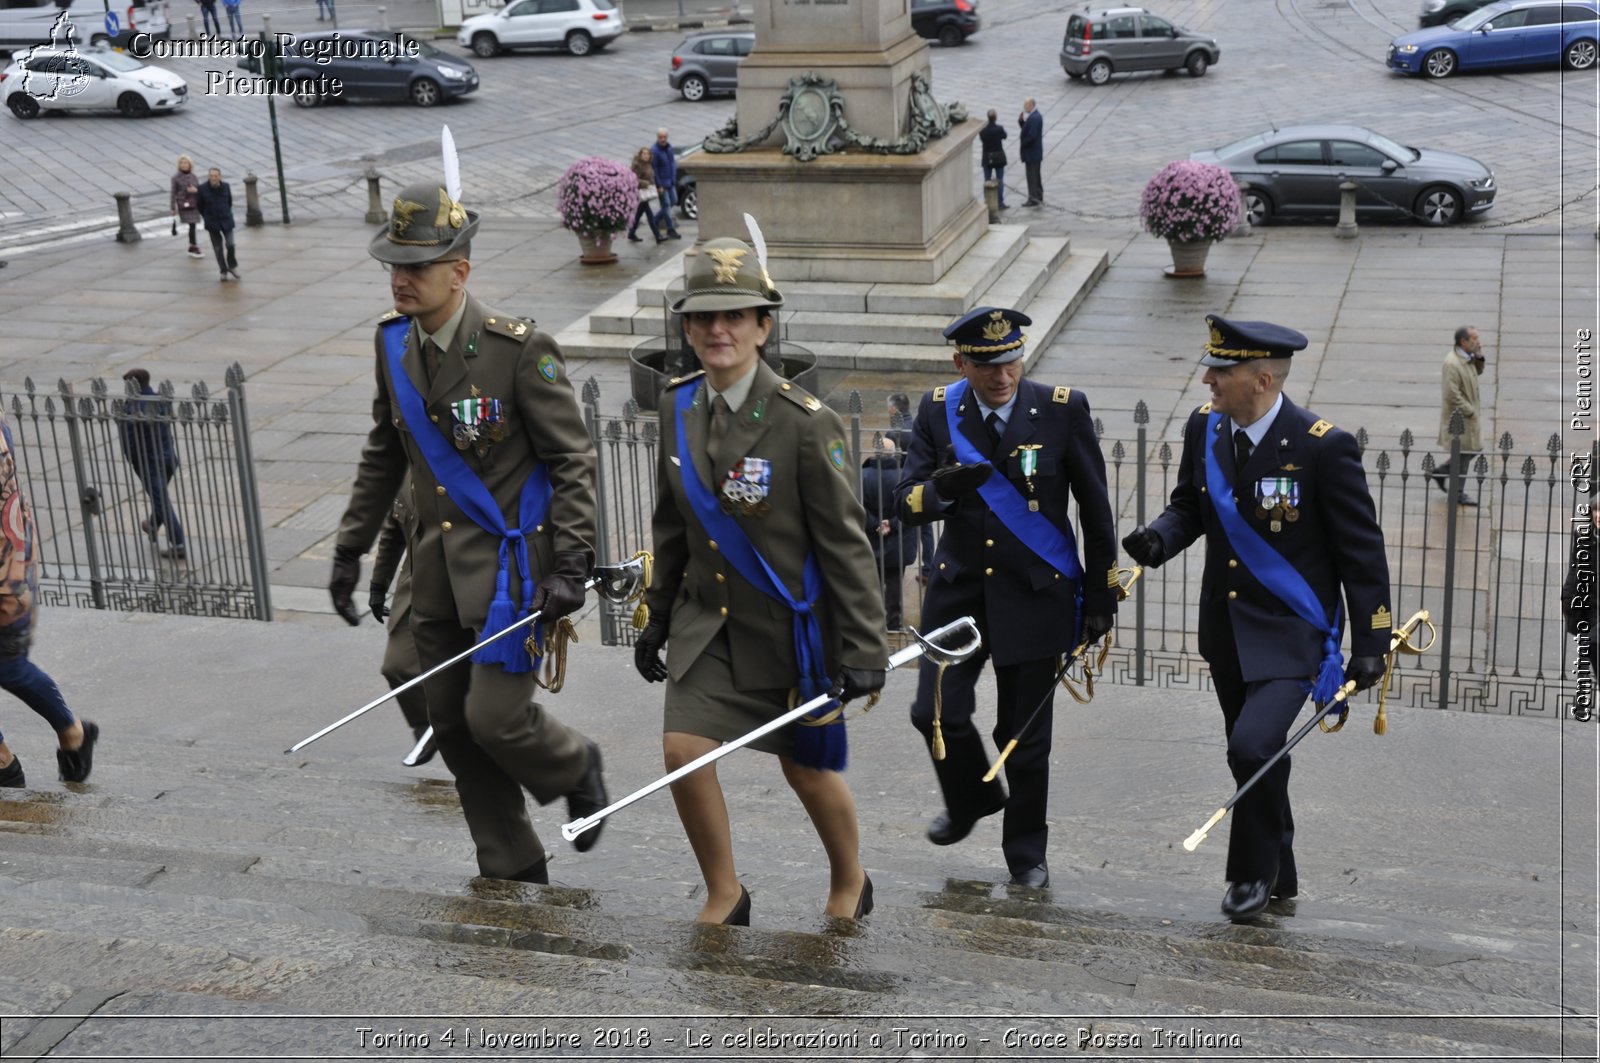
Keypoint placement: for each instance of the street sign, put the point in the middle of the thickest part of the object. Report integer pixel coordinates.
(113, 26)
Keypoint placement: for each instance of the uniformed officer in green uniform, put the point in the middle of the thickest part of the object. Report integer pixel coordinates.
(763, 582)
(400, 664)
(476, 405)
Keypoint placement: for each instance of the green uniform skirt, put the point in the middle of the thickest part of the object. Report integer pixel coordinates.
(705, 703)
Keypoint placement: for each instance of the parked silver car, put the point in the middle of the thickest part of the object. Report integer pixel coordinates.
(709, 62)
(1297, 170)
(1121, 40)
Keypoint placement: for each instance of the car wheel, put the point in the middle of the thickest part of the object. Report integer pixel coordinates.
(1099, 72)
(305, 95)
(133, 105)
(424, 92)
(23, 106)
(1257, 207)
(1439, 205)
(1580, 55)
(485, 46)
(689, 202)
(1197, 65)
(693, 88)
(1439, 63)
(950, 36)
(579, 43)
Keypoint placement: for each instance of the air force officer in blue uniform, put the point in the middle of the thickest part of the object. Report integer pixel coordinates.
(999, 459)
(1282, 500)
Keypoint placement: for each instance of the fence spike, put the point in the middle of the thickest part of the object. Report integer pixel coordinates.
(648, 432)
(1165, 454)
(1506, 442)
(85, 407)
(1407, 441)
(630, 410)
(1428, 464)
(233, 376)
(1554, 445)
(16, 406)
(1458, 422)
(1362, 438)
(853, 403)
(49, 406)
(1481, 466)
(97, 387)
(1099, 428)
(27, 385)
(1383, 463)
(186, 411)
(1141, 413)
(591, 391)
(1117, 452)
(1528, 469)
(613, 431)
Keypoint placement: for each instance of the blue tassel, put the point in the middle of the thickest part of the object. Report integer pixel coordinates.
(508, 652)
(1330, 677)
(826, 748)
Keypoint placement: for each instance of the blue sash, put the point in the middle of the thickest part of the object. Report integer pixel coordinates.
(815, 747)
(469, 493)
(1274, 572)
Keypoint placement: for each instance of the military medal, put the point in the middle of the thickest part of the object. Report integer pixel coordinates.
(1028, 453)
(746, 487)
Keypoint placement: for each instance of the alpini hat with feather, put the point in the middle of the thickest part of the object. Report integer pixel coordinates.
(729, 274)
(427, 221)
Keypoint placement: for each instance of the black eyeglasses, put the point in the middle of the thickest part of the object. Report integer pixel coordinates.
(416, 269)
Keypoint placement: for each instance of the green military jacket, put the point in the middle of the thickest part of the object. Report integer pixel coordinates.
(808, 503)
(496, 357)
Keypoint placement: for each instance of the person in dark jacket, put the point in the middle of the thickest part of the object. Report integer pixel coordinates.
(1032, 150)
(892, 550)
(664, 164)
(145, 432)
(992, 137)
(216, 207)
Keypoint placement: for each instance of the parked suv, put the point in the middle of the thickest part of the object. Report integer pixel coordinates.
(1121, 40)
(579, 26)
(950, 22)
(709, 62)
(389, 66)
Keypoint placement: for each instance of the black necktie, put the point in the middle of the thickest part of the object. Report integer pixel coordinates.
(1242, 448)
(992, 423)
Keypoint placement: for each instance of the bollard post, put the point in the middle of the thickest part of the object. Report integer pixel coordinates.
(126, 232)
(375, 214)
(991, 199)
(193, 36)
(383, 18)
(252, 202)
(1346, 229)
(1243, 228)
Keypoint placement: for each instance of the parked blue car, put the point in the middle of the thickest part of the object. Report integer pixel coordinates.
(1510, 33)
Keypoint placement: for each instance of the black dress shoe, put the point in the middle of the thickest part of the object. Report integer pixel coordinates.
(864, 902)
(740, 916)
(75, 764)
(428, 750)
(947, 829)
(1037, 876)
(1467, 500)
(1246, 900)
(589, 798)
(1281, 892)
(11, 776)
(538, 874)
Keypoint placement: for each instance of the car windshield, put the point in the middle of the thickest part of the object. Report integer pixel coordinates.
(422, 47)
(1392, 149)
(122, 64)
(1473, 20)
(1247, 144)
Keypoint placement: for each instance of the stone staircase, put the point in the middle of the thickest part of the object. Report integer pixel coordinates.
(204, 894)
(877, 327)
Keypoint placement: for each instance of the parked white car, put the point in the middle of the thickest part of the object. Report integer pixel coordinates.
(91, 79)
(579, 26)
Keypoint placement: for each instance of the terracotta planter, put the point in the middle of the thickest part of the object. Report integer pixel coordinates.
(1188, 258)
(596, 250)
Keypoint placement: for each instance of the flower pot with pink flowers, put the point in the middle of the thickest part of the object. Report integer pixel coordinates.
(597, 198)
(1191, 205)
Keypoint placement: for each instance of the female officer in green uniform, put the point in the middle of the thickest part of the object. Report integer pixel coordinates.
(763, 581)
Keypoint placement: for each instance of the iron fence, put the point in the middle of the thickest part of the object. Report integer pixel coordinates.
(1490, 575)
(117, 529)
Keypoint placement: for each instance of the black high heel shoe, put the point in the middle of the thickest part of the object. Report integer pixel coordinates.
(864, 902)
(740, 916)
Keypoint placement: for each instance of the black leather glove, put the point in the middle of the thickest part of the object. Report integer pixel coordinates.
(1366, 671)
(377, 599)
(859, 682)
(1145, 546)
(647, 650)
(561, 590)
(1095, 627)
(954, 479)
(342, 584)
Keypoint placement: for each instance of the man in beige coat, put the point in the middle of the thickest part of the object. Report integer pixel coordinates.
(480, 408)
(1462, 368)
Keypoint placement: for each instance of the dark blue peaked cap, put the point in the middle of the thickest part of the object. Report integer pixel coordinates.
(1234, 342)
(989, 334)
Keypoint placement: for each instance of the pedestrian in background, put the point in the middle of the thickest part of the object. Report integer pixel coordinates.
(324, 10)
(145, 433)
(209, 23)
(19, 585)
(1459, 385)
(1031, 150)
(899, 406)
(992, 137)
(892, 548)
(216, 207)
(183, 192)
(400, 662)
(235, 18)
(645, 172)
(664, 163)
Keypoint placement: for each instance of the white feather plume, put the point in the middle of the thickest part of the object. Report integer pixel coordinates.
(452, 165)
(758, 242)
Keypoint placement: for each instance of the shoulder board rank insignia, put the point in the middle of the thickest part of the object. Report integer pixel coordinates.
(1381, 620)
(1320, 429)
(547, 369)
(677, 380)
(1061, 395)
(938, 393)
(798, 397)
(390, 316)
(1206, 408)
(813, 404)
(516, 328)
(914, 499)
